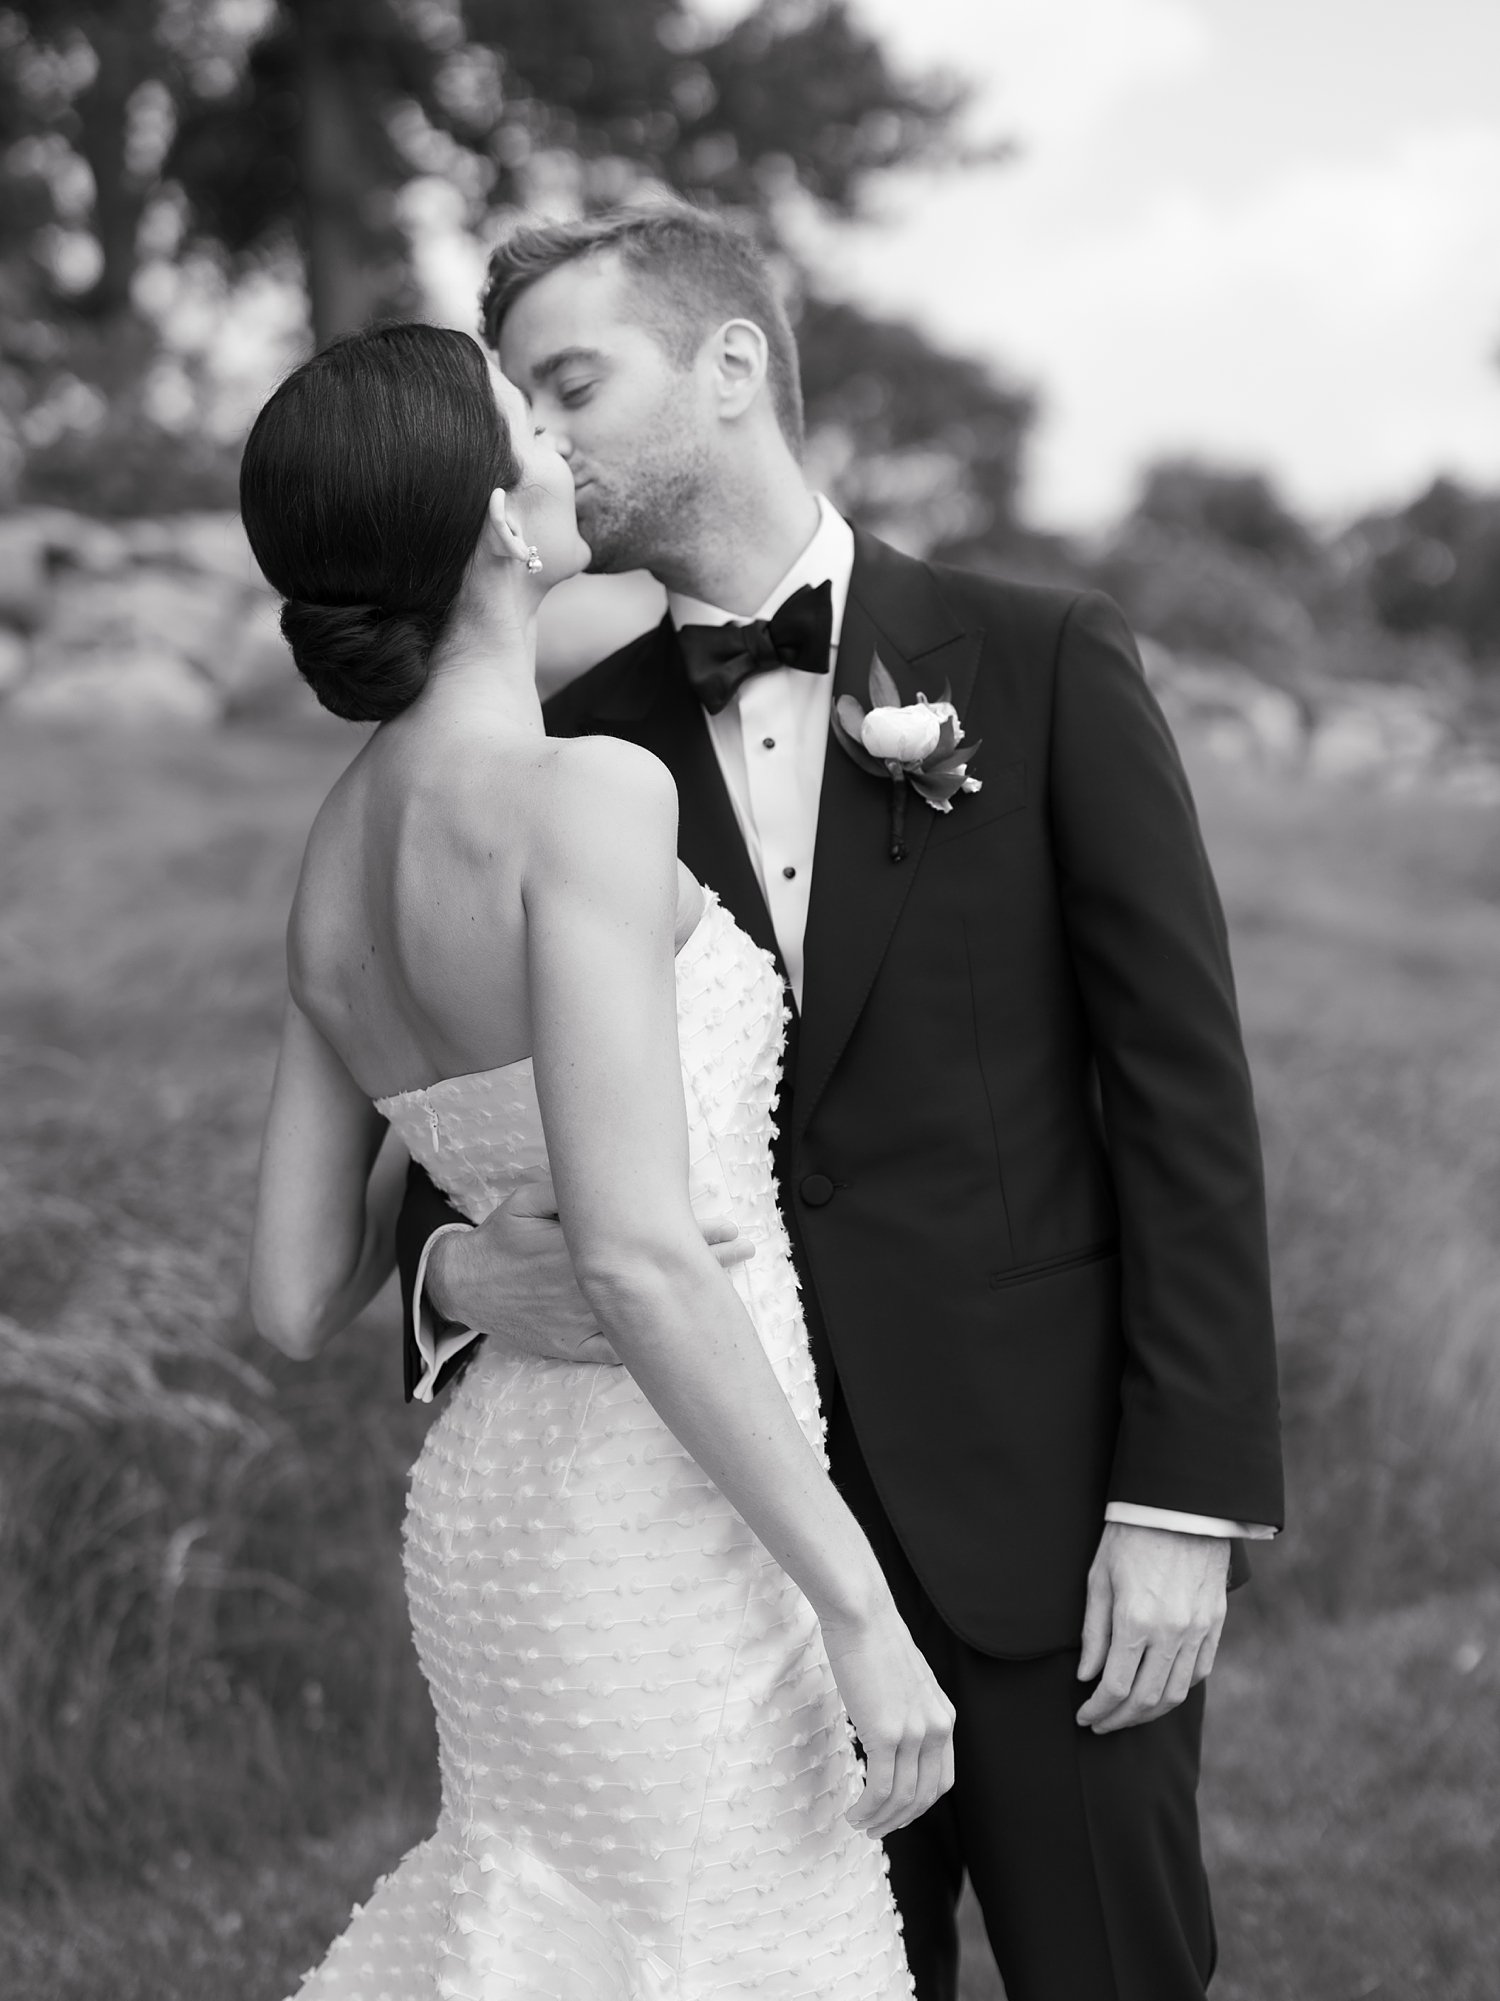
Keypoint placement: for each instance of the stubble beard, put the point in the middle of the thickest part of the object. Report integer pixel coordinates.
(642, 516)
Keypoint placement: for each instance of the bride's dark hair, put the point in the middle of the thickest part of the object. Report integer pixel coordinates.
(363, 488)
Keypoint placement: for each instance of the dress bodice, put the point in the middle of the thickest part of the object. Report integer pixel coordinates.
(480, 1136)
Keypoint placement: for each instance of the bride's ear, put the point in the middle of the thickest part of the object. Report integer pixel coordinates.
(507, 536)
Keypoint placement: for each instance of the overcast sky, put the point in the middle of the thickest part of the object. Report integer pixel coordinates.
(1262, 230)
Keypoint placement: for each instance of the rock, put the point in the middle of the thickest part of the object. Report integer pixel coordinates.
(23, 572)
(129, 689)
(216, 545)
(1235, 714)
(1392, 734)
(15, 660)
(258, 659)
(152, 541)
(212, 544)
(1280, 727)
(148, 610)
(74, 542)
(1472, 778)
(1398, 737)
(153, 618)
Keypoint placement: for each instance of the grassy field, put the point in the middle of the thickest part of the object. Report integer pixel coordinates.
(212, 1736)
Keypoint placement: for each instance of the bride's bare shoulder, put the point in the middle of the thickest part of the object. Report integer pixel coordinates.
(600, 788)
(609, 762)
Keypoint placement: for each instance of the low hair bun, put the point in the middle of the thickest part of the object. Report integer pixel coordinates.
(363, 663)
(365, 487)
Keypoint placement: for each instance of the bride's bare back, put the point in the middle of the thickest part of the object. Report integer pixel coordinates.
(408, 941)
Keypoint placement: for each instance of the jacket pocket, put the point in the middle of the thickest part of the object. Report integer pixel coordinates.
(1092, 1254)
(1002, 792)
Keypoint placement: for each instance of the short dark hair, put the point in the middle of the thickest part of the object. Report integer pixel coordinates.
(364, 487)
(692, 270)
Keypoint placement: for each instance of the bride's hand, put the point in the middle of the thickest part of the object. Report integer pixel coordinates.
(902, 1719)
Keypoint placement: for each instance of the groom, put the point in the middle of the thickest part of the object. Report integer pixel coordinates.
(1017, 1152)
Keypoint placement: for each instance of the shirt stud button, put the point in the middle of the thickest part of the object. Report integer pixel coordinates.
(768, 743)
(789, 872)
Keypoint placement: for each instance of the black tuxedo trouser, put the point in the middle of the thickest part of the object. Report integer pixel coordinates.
(1083, 1850)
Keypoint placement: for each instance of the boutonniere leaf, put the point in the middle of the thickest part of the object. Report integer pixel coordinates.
(884, 694)
(915, 745)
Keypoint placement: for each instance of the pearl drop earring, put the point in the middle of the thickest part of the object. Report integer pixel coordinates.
(533, 560)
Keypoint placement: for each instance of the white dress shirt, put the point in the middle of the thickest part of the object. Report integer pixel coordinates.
(771, 736)
(770, 739)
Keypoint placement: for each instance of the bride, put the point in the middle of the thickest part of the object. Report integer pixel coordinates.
(646, 1618)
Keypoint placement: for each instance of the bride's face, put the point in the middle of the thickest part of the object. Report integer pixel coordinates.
(542, 505)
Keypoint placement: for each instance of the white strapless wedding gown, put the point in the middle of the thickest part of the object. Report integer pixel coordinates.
(645, 1762)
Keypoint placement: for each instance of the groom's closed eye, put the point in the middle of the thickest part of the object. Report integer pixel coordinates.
(570, 369)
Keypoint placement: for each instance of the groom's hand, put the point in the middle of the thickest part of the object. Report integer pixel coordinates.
(511, 1275)
(1155, 1611)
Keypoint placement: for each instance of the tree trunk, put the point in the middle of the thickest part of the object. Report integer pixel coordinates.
(123, 44)
(347, 247)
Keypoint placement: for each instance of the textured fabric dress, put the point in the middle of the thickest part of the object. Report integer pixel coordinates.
(645, 1761)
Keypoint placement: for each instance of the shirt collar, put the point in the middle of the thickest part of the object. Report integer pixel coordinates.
(828, 558)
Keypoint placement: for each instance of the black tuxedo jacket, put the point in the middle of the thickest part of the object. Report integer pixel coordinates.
(1018, 1152)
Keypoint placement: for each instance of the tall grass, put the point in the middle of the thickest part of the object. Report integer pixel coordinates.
(203, 1632)
(203, 1645)
(1367, 944)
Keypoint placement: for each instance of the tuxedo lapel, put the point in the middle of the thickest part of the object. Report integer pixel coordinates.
(858, 892)
(658, 710)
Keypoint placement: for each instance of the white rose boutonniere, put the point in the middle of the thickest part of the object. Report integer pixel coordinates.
(913, 744)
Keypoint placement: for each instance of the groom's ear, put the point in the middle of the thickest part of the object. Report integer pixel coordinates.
(741, 357)
(502, 527)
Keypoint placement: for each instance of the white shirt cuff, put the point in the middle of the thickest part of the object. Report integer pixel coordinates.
(1136, 1516)
(437, 1340)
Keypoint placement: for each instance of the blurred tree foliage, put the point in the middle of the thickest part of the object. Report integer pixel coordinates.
(1210, 561)
(925, 444)
(85, 120)
(1241, 510)
(1213, 562)
(1434, 566)
(339, 102)
(283, 133)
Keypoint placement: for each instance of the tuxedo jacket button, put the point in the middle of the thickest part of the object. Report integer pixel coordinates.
(815, 1190)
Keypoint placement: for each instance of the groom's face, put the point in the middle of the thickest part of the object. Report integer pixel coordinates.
(630, 421)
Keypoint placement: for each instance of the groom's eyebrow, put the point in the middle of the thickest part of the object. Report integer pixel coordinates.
(545, 369)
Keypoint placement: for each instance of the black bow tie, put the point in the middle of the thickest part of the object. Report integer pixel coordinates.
(719, 657)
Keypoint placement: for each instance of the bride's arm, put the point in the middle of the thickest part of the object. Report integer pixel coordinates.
(600, 900)
(330, 1185)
